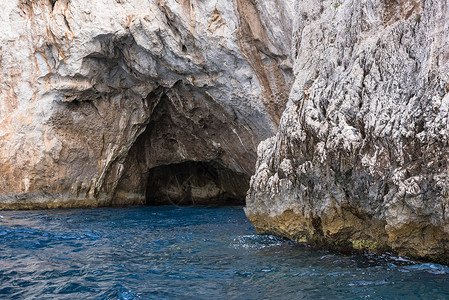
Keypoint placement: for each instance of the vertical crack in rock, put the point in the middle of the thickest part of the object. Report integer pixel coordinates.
(262, 56)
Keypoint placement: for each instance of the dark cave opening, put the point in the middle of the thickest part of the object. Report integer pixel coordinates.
(195, 183)
(188, 154)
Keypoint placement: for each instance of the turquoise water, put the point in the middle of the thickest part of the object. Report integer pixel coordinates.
(188, 253)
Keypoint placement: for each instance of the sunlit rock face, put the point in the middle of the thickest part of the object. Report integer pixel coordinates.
(361, 156)
(96, 94)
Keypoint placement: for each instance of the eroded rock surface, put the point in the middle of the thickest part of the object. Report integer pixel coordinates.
(95, 94)
(361, 155)
(108, 102)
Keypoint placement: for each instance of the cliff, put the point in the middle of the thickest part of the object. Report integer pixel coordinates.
(117, 102)
(361, 156)
(96, 96)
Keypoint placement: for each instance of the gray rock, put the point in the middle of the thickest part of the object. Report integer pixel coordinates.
(94, 95)
(361, 155)
(102, 101)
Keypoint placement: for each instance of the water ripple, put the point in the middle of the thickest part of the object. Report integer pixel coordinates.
(430, 268)
(254, 241)
(188, 253)
(118, 292)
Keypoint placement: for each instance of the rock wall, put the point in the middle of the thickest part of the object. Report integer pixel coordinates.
(361, 156)
(95, 94)
(102, 101)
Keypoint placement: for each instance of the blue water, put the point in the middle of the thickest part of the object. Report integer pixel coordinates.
(188, 253)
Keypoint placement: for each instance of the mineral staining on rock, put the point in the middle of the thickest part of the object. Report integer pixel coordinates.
(361, 155)
(96, 94)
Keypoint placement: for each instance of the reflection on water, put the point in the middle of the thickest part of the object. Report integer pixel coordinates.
(188, 253)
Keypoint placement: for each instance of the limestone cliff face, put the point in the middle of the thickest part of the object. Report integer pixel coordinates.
(115, 102)
(96, 94)
(361, 155)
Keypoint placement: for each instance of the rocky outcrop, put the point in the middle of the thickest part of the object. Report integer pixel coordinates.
(117, 102)
(361, 156)
(95, 96)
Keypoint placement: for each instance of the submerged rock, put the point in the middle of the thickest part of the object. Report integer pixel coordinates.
(361, 155)
(96, 94)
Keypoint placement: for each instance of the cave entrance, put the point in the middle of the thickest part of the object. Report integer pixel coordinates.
(192, 152)
(195, 183)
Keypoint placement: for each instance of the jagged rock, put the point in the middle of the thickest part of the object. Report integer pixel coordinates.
(96, 94)
(361, 155)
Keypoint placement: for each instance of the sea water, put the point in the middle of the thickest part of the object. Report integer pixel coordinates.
(188, 253)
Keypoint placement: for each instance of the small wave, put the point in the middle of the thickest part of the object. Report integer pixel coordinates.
(367, 283)
(430, 268)
(331, 256)
(400, 259)
(13, 234)
(118, 292)
(254, 241)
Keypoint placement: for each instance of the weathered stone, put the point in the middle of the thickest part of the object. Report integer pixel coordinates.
(361, 155)
(95, 94)
(99, 99)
